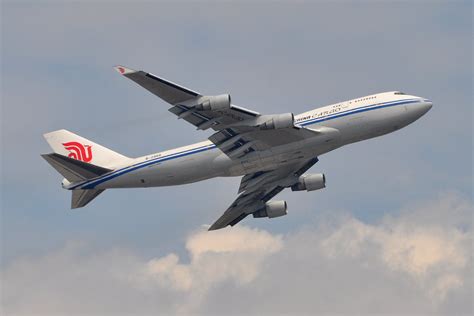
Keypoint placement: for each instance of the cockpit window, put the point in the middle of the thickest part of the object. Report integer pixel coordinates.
(399, 93)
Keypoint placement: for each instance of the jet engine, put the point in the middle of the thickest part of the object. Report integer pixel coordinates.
(310, 182)
(272, 209)
(218, 102)
(279, 121)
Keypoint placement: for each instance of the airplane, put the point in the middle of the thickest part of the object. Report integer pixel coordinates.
(270, 151)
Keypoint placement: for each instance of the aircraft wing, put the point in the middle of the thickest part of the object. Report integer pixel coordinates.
(239, 131)
(183, 99)
(258, 188)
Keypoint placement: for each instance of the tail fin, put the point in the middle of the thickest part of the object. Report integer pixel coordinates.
(68, 144)
(78, 159)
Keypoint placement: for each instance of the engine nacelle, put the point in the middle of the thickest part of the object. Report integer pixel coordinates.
(272, 209)
(279, 121)
(310, 182)
(214, 103)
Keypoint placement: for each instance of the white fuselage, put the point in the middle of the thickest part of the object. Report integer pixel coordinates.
(356, 120)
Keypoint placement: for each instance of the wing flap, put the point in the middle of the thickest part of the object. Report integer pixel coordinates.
(220, 118)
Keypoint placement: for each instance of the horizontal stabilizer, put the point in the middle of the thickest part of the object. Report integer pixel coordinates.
(81, 198)
(74, 170)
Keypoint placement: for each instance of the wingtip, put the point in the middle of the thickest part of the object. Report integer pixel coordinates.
(123, 70)
(215, 226)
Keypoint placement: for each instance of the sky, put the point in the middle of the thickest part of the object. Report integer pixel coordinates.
(392, 233)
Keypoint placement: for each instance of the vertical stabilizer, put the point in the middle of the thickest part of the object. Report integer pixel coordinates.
(74, 146)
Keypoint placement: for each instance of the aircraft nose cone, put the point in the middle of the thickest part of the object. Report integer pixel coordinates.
(426, 105)
(419, 109)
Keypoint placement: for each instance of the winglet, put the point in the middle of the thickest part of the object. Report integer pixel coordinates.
(124, 70)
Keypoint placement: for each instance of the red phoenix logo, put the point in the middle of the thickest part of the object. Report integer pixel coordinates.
(79, 151)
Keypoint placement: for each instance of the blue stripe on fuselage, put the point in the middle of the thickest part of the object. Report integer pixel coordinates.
(356, 110)
(90, 184)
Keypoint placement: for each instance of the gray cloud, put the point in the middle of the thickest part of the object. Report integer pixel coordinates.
(403, 265)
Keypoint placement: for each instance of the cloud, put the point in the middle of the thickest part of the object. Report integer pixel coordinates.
(231, 254)
(434, 257)
(61, 282)
(403, 264)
